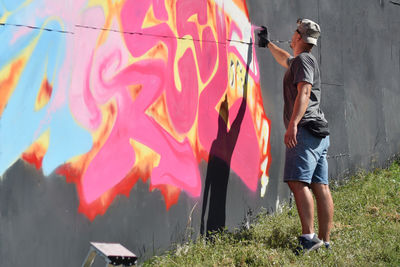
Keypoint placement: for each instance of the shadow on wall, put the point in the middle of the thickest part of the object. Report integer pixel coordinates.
(219, 163)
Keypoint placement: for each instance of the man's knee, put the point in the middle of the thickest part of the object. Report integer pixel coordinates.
(321, 191)
(296, 186)
(318, 188)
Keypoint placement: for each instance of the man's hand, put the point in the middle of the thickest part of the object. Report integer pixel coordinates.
(290, 136)
(263, 39)
(281, 56)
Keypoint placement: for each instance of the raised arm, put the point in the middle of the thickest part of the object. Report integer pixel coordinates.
(281, 56)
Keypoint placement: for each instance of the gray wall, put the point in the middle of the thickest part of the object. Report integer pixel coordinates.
(359, 55)
(359, 59)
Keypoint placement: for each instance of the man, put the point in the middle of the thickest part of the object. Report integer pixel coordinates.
(307, 134)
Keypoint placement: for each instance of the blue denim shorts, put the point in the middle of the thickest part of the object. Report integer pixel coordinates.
(307, 162)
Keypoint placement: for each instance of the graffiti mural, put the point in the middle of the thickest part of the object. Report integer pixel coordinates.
(110, 92)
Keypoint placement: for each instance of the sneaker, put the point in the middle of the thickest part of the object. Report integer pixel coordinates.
(327, 245)
(310, 245)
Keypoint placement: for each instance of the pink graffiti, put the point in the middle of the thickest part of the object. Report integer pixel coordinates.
(105, 74)
(178, 164)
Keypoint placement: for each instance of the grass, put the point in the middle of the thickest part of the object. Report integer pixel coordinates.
(366, 232)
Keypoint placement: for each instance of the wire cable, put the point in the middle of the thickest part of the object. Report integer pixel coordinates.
(227, 41)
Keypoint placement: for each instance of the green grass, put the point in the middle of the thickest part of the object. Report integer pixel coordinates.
(366, 232)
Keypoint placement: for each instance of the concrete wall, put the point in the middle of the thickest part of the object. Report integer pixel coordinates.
(112, 135)
(359, 58)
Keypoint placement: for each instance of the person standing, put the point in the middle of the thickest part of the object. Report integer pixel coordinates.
(307, 133)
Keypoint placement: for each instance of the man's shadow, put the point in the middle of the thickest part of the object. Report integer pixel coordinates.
(219, 161)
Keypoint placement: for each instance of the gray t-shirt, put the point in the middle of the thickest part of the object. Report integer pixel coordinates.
(303, 68)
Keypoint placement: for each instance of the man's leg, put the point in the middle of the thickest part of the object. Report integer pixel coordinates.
(305, 205)
(324, 209)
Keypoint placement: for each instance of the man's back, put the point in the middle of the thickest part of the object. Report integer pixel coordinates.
(303, 68)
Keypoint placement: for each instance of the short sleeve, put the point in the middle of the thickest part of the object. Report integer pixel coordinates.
(289, 61)
(303, 70)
